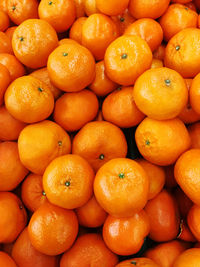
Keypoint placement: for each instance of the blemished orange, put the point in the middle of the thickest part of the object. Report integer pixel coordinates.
(25, 255)
(187, 174)
(75, 32)
(98, 32)
(99, 142)
(148, 9)
(126, 58)
(149, 30)
(89, 250)
(156, 63)
(65, 62)
(60, 14)
(123, 21)
(52, 230)
(185, 42)
(5, 44)
(195, 94)
(112, 8)
(125, 236)
(183, 201)
(189, 258)
(91, 214)
(73, 110)
(13, 217)
(40, 143)
(33, 41)
(165, 103)
(21, 10)
(193, 221)
(119, 108)
(32, 192)
(164, 217)
(68, 181)
(4, 21)
(159, 53)
(154, 138)
(194, 131)
(90, 7)
(6, 260)
(176, 18)
(116, 180)
(36, 107)
(142, 262)
(156, 176)
(10, 128)
(79, 4)
(9, 32)
(102, 85)
(5, 80)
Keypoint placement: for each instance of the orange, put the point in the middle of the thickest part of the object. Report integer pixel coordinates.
(21, 10)
(101, 84)
(193, 221)
(32, 193)
(65, 62)
(155, 138)
(52, 230)
(119, 108)
(112, 8)
(40, 143)
(79, 4)
(156, 63)
(89, 250)
(164, 217)
(191, 5)
(159, 53)
(99, 142)
(38, 101)
(165, 103)
(75, 32)
(194, 131)
(10, 31)
(148, 9)
(98, 31)
(67, 41)
(185, 233)
(189, 258)
(126, 58)
(116, 180)
(33, 41)
(176, 18)
(90, 7)
(3, 6)
(25, 255)
(4, 21)
(73, 110)
(183, 201)
(183, 52)
(10, 128)
(91, 214)
(13, 217)
(195, 94)
(6, 260)
(142, 262)
(149, 30)
(5, 44)
(123, 21)
(187, 174)
(60, 14)
(125, 236)
(5, 80)
(68, 181)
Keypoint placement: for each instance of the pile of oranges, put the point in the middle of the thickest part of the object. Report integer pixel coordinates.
(99, 133)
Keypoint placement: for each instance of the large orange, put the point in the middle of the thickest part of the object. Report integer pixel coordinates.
(189, 258)
(6, 260)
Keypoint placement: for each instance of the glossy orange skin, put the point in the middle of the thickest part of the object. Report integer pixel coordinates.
(119, 108)
(5, 44)
(47, 224)
(11, 207)
(59, 14)
(159, 53)
(185, 42)
(123, 21)
(194, 131)
(125, 236)
(101, 84)
(9, 32)
(141, 262)
(79, 4)
(90, 7)
(4, 21)
(73, 110)
(187, 174)
(98, 32)
(156, 63)
(31, 44)
(6, 260)
(193, 221)
(75, 32)
(5, 80)
(99, 142)
(25, 255)
(64, 75)
(91, 214)
(149, 30)
(148, 9)
(126, 58)
(10, 128)
(176, 18)
(21, 10)
(89, 250)
(36, 107)
(183, 201)
(164, 217)
(185, 232)
(189, 258)
(195, 94)
(50, 141)
(111, 8)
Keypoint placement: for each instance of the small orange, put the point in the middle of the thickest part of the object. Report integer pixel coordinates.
(112, 8)
(79, 4)
(10, 31)
(5, 80)
(90, 7)
(123, 21)
(5, 44)
(189, 258)
(75, 32)
(195, 94)
(194, 131)
(6, 260)
(4, 21)
(159, 53)
(67, 41)
(142, 262)
(156, 63)
(193, 221)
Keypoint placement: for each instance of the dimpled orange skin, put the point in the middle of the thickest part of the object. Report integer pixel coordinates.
(40, 143)
(6, 260)
(111, 8)
(154, 138)
(195, 94)
(193, 221)
(75, 32)
(60, 14)
(5, 80)
(52, 230)
(187, 174)
(183, 52)
(64, 75)
(115, 180)
(126, 58)
(165, 103)
(141, 262)
(125, 236)
(194, 131)
(189, 258)
(33, 41)
(38, 100)
(5, 44)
